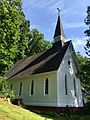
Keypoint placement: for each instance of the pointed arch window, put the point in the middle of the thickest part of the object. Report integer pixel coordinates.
(74, 82)
(69, 62)
(46, 86)
(31, 90)
(66, 85)
(32, 87)
(20, 89)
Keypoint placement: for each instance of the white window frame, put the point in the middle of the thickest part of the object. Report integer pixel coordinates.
(75, 89)
(33, 88)
(66, 85)
(45, 85)
(21, 89)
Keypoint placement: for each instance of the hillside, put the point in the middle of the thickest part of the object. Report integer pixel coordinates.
(12, 112)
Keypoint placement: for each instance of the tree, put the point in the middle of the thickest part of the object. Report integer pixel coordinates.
(37, 43)
(84, 73)
(87, 32)
(14, 33)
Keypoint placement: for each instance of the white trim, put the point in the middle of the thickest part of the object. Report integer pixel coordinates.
(35, 75)
(53, 104)
(30, 89)
(44, 87)
(19, 88)
(59, 38)
(66, 84)
(34, 88)
(41, 104)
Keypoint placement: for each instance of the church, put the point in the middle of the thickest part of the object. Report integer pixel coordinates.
(48, 79)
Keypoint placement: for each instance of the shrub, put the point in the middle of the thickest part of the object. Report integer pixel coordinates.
(5, 91)
(87, 108)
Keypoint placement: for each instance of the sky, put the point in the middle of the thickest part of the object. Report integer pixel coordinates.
(43, 16)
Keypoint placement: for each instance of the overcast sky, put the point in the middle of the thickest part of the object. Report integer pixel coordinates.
(43, 16)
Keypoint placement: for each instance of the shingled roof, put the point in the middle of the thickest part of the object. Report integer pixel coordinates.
(47, 61)
(59, 29)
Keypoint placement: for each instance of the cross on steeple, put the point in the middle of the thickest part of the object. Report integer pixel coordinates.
(58, 11)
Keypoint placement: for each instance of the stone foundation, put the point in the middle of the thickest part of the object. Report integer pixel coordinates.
(56, 109)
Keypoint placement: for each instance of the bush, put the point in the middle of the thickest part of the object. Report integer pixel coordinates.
(5, 91)
(87, 108)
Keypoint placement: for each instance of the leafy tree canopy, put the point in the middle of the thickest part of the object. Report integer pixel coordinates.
(84, 73)
(16, 39)
(87, 32)
(37, 43)
(14, 33)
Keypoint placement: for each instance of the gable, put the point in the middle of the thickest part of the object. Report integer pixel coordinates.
(70, 58)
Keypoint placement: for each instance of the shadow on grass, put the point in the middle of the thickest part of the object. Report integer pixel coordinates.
(67, 115)
(50, 115)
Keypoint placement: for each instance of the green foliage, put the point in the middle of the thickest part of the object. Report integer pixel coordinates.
(87, 32)
(84, 73)
(37, 43)
(14, 33)
(5, 91)
(87, 108)
(16, 40)
(3, 84)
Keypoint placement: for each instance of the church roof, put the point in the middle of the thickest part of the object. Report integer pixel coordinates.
(47, 61)
(59, 29)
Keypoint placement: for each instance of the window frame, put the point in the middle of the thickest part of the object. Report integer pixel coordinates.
(69, 62)
(46, 86)
(66, 87)
(32, 84)
(75, 90)
(20, 89)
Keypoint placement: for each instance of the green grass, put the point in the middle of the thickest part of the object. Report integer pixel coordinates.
(12, 112)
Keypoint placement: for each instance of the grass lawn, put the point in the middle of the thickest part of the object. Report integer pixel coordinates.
(12, 112)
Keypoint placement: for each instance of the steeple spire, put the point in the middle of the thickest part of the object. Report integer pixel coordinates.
(59, 33)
